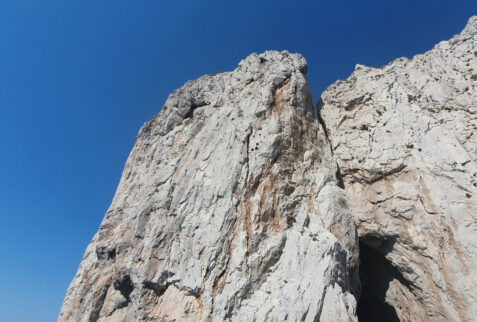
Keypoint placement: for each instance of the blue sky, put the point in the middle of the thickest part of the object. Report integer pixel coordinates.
(78, 79)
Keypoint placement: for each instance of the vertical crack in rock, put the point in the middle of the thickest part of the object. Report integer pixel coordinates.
(403, 138)
(228, 208)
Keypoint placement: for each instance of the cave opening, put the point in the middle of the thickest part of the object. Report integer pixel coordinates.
(375, 274)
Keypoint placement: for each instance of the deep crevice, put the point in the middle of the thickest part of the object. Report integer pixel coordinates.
(124, 286)
(319, 106)
(375, 274)
(157, 288)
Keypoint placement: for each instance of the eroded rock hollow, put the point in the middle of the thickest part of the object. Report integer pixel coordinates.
(242, 200)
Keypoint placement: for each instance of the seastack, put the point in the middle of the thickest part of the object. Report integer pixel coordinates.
(228, 208)
(243, 201)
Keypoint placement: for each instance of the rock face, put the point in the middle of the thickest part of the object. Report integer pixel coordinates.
(228, 208)
(405, 139)
(231, 205)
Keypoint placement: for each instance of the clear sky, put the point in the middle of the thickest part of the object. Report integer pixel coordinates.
(78, 79)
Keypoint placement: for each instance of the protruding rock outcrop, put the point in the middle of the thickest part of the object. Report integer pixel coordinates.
(405, 138)
(228, 208)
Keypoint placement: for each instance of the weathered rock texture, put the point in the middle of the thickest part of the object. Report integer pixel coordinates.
(405, 138)
(228, 208)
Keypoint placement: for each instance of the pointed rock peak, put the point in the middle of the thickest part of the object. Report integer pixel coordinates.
(275, 62)
(229, 207)
(471, 27)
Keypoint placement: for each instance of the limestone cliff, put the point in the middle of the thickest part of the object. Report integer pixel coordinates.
(228, 208)
(243, 201)
(405, 139)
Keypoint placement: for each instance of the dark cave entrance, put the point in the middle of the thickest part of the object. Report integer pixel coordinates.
(375, 274)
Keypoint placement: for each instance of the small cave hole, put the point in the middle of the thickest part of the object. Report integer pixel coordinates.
(375, 274)
(192, 108)
(125, 286)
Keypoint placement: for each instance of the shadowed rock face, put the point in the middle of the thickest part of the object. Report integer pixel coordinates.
(404, 137)
(375, 275)
(228, 208)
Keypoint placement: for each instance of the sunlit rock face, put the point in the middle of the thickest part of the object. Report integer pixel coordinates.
(405, 139)
(229, 207)
(243, 201)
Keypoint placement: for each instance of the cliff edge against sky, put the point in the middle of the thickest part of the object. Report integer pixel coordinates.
(242, 200)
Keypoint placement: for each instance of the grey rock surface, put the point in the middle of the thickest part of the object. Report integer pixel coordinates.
(228, 209)
(405, 139)
(231, 204)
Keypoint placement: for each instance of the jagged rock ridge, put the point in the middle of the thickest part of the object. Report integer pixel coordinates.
(404, 136)
(228, 208)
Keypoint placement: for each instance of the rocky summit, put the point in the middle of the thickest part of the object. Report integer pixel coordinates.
(243, 200)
